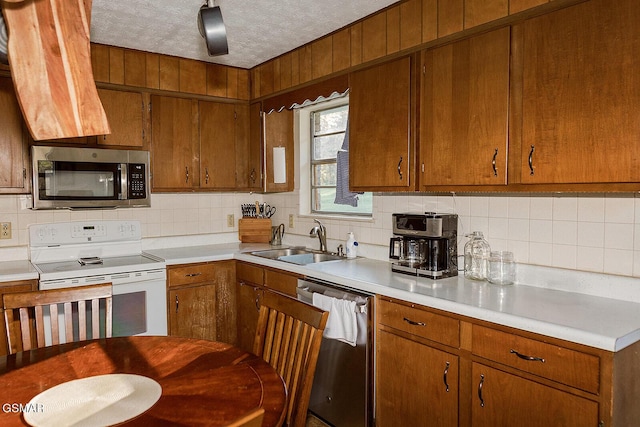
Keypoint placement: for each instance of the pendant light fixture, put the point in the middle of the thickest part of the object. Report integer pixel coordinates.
(212, 29)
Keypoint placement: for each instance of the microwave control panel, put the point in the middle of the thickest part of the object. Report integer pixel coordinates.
(137, 176)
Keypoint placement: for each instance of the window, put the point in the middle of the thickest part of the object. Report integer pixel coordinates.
(328, 128)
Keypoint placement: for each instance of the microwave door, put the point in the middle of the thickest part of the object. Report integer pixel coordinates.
(79, 181)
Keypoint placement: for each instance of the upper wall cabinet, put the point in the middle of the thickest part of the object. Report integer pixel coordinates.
(14, 158)
(127, 116)
(250, 173)
(223, 128)
(279, 151)
(174, 154)
(380, 118)
(579, 100)
(464, 112)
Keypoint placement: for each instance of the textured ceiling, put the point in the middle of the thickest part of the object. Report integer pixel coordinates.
(257, 30)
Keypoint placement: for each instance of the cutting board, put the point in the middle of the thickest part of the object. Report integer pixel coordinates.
(50, 61)
(254, 230)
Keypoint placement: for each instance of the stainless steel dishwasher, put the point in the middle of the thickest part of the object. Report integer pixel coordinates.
(343, 384)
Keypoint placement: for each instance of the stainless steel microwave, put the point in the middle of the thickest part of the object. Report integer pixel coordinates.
(83, 178)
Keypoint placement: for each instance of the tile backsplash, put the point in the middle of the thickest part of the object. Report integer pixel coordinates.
(597, 233)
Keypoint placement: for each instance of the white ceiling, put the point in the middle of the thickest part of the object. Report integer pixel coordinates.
(257, 30)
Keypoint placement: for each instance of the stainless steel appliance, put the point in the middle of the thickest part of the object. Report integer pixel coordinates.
(88, 252)
(342, 387)
(71, 177)
(425, 244)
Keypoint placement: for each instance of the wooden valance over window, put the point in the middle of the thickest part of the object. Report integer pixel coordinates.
(324, 89)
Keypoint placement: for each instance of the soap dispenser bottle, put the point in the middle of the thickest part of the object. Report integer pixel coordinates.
(476, 257)
(351, 245)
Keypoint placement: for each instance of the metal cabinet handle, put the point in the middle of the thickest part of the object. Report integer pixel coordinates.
(533, 148)
(493, 163)
(193, 274)
(446, 372)
(186, 172)
(414, 323)
(206, 175)
(528, 358)
(399, 169)
(177, 303)
(480, 390)
(257, 301)
(253, 176)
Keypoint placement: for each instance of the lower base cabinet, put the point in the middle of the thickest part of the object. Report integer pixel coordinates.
(496, 376)
(416, 384)
(201, 300)
(504, 399)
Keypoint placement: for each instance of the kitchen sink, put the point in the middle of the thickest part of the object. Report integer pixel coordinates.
(298, 255)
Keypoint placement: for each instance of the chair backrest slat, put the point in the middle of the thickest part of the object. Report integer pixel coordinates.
(288, 337)
(31, 308)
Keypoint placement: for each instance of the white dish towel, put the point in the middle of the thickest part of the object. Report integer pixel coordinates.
(341, 324)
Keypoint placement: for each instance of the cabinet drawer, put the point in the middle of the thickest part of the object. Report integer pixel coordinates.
(566, 366)
(249, 273)
(281, 282)
(189, 274)
(422, 323)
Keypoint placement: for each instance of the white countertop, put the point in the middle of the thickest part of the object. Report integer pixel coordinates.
(605, 323)
(17, 270)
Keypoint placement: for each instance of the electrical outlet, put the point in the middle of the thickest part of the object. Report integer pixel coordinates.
(5, 230)
(230, 220)
(290, 220)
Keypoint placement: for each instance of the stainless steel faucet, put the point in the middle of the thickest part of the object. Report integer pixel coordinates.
(320, 231)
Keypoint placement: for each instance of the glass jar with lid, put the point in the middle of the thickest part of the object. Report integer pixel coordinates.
(476, 256)
(502, 268)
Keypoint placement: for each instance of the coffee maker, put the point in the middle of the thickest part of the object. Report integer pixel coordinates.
(425, 245)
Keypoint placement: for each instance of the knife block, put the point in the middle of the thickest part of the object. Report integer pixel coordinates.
(254, 230)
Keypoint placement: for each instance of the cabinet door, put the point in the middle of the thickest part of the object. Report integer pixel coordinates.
(192, 312)
(278, 132)
(415, 384)
(465, 93)
(580, 95)
(249, 148)
(503, 399)
(380, 135)
(125, 112)
(249, 297)
(14, 158)
(174, 134)
(217, 145)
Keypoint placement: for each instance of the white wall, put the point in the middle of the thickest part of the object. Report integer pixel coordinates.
(599, 233)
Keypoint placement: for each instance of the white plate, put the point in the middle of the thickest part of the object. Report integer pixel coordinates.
(93, 401)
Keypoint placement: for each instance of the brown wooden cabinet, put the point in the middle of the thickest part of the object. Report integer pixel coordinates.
(174, 133)
(416, 383)
(278, 132)
(127, 115)
(14, 161)
(252, 282)
(249, 161)
(496, 375)
(201, 301)
(576, 109)
(465, 103)
(381, 138)
(8, 288)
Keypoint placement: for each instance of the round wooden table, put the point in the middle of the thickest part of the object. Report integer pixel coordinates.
(203, 382)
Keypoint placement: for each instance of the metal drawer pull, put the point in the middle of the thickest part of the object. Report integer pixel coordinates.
(533, 148)
(414, 323)
(529, 358)
(177, 302)
(206, 175)
(493, 163)
(446, 372)
(186, 172)
(480, 390)
(400, 170)
(193, 274)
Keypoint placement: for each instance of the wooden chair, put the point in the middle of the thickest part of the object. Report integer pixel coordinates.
(288, 336)
(252, 419)
(24, 315)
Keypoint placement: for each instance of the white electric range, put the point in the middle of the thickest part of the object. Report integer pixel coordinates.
(89, 252)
